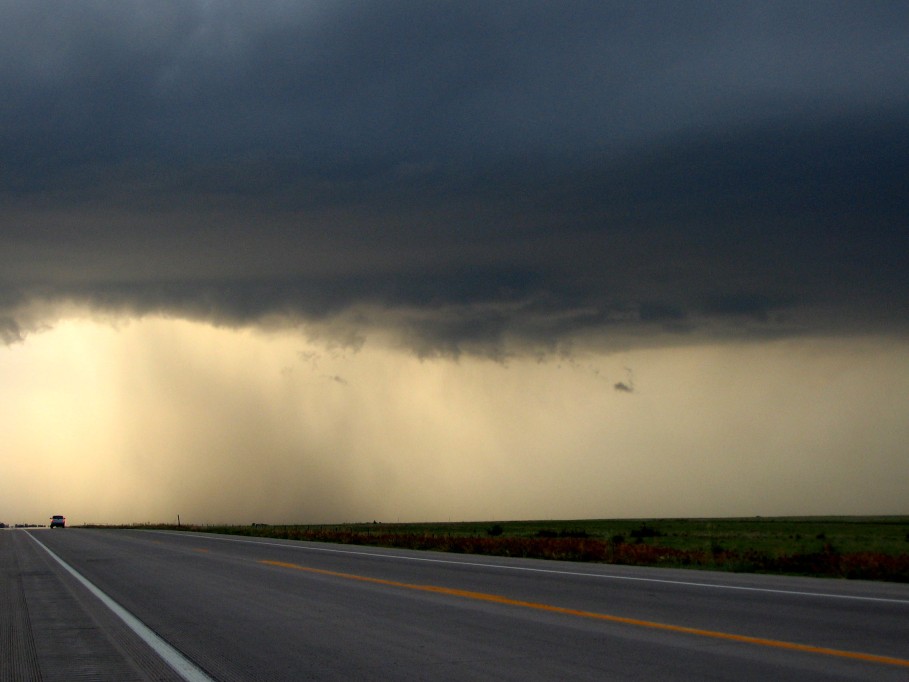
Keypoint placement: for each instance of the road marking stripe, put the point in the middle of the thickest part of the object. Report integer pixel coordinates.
(498, 599)
(292, 544)
(188, 670)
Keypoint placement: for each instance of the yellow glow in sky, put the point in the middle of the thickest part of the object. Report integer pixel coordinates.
(151, 418)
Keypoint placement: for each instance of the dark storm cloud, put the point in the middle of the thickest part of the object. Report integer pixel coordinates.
(471, 174)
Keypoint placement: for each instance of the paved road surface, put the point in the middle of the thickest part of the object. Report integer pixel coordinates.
(250, 609)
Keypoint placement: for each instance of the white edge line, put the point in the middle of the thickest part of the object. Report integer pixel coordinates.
(188, 670)
(601, 576)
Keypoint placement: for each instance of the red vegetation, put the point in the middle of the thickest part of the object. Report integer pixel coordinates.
(828, 563)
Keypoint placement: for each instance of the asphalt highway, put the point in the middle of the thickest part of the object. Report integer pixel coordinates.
(148, 605)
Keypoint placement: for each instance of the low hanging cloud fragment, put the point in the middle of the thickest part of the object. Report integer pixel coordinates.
(626, 386)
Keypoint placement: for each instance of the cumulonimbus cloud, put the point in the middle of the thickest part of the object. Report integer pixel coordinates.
(475, 179)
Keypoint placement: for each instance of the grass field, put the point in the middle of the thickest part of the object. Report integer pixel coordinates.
(871, 548)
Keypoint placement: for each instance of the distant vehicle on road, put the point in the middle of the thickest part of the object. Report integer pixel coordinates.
(58, 522)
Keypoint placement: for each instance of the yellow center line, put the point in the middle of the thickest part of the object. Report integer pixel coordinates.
(498, 599)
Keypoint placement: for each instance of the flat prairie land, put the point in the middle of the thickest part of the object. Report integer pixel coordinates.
(857, 547)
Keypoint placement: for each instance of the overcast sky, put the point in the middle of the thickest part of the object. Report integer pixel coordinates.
(458, 189)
